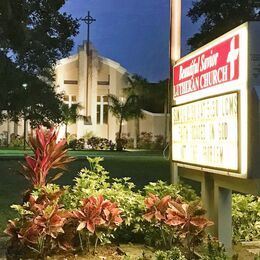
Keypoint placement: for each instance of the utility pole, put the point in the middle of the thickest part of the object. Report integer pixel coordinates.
(175, 53)
(88, 20)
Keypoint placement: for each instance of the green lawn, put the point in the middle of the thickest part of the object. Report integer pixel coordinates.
(141, 166)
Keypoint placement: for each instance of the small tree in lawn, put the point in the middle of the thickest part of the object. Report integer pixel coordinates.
(70, 115)
(124, 110)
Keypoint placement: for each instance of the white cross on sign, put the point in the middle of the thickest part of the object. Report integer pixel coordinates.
(232, 57)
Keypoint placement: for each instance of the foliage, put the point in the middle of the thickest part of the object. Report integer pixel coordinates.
(96, 181)
(97, 212)
(88, 135)
(245, 217)
(214, 250)
(38, 102)
(145, 140)
(70, 114)
(95, 216)
(35, 34)
(187, 221)
(173, 254)
(98, 208)
(152, 95)
(16, 140)
(40, 221)
(162, 189)
(218, 17)
(48, 154)
(124, 111)
(98, 143)
(77, 144)
(158, 143)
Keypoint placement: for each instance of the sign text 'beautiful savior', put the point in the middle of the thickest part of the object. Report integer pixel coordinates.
(216, 65)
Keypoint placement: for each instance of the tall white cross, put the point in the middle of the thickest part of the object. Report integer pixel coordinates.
(232, 57)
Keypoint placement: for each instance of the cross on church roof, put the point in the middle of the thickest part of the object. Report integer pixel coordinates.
(88, 20)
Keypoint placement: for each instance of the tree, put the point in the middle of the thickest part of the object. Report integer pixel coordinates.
(70, 115)
(35, 101)
(152, 95)
(218, 17)
(35, 34)
(153, 98)
(124, 110)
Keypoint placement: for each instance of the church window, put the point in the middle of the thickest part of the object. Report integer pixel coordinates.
(102, 110)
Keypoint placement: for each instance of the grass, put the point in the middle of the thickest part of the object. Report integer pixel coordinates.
(142, 166)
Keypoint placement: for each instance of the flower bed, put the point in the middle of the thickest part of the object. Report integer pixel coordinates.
(97, 211)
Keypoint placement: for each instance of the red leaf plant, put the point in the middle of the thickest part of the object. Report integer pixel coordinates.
(41, 222)
(190, 222)
(97, 212)
(187, 216)
(49, 153)
(187, 220)
(156, 207)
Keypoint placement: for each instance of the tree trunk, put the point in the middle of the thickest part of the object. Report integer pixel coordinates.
(137, 132)
(24, 133)
(120, 128)
(66, 131)
(119, 145)
(8, 132)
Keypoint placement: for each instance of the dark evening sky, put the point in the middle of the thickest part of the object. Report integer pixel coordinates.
(134, 33)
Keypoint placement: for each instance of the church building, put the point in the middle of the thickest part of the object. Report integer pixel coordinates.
(88, 78)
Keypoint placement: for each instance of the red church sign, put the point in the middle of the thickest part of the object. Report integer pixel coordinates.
(216, 65)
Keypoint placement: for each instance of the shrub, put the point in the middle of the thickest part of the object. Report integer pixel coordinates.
(145, 140)
(40, 222)
(93, 142)
(162, 189)
(158, 143)
(127, 141)
(100, 209)
(173, 254)
(95, 217)
(213, 250)
(3, 138)
(88, 135)
(187, 220)
(71, 137)
(16, 140)
(97, 143)
(96, 181)
(48, 154)
(245, 217)
(77, 144)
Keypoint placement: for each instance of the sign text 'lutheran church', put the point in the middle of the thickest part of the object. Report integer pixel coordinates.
(217, 65)
(214, 92)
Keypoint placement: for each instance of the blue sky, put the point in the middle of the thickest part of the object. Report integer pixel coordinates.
(134, 33)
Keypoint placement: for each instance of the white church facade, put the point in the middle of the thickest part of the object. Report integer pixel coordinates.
(88, 80)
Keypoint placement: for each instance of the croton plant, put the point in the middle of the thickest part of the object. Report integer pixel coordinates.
(188, 220)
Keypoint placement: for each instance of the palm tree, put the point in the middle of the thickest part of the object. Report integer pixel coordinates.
(124, 111)
(138, 87)
(153, 98)
(70, 114)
